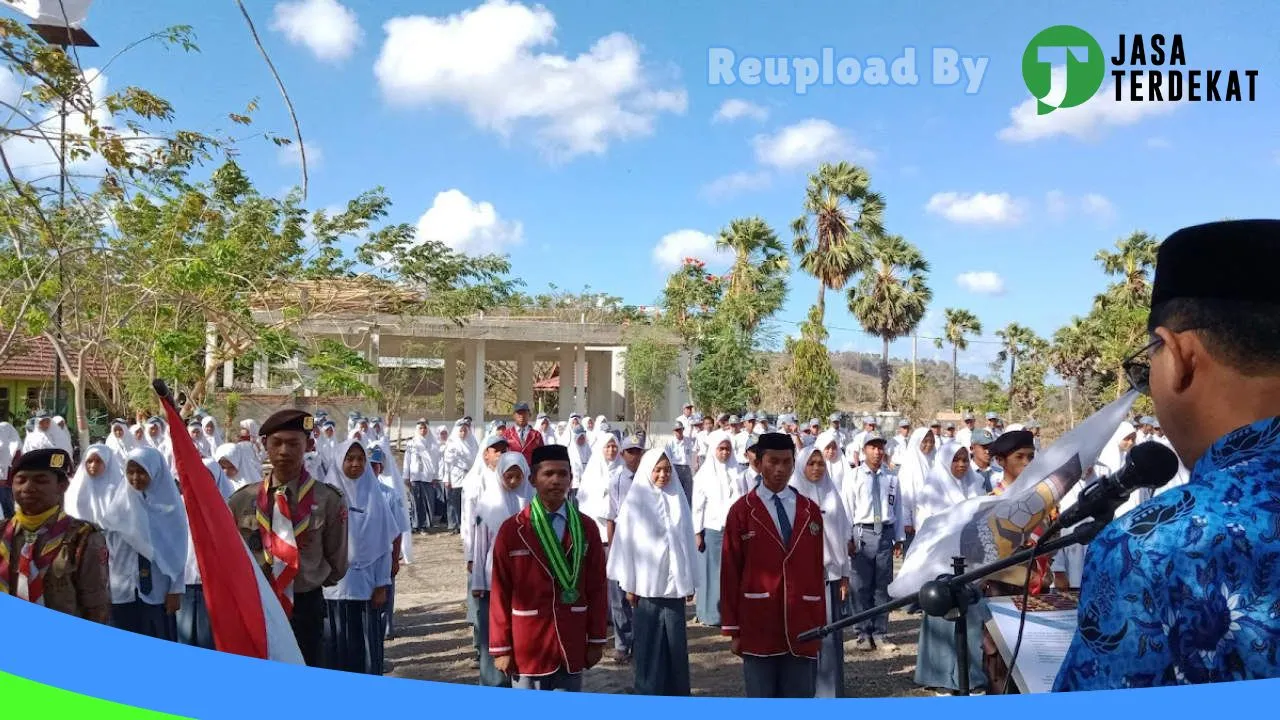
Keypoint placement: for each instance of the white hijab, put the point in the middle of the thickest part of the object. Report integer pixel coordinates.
(371, 529)
(153, 523)
(836, 528)
(942, 490)
(593, 489)
(651, 521)
(58, 431)
(837, 468)
(88, 497)
(480, 476)
(725, 480)
(913, 473)
(122, 445)
(579, 456)
(497, 503)
(1112, 458)
(209, 426)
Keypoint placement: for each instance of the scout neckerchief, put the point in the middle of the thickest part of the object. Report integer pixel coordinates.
(34, 556)
(280, 530)
(566, 576)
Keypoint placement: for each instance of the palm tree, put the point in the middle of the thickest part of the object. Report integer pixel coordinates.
(891, 298)
(1073, 355)
(756, 284)
(1017, 341)
(1133, 262)
(842, 215)
(960, 323)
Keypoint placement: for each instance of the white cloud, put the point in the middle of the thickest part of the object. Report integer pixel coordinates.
(327, 28)
(976, 208)
(673, 248)
(291, 155)
(807, 143)
(468, 226)
(486, 61)
(734, 183)
(1083, 122)
(982, 282)
(736, 109)
(1098, 206)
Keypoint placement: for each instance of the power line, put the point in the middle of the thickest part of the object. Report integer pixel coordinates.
(863, 332)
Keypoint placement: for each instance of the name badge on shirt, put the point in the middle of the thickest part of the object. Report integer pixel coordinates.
(748, 535)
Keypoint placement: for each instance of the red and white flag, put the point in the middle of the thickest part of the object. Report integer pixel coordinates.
(244, 614)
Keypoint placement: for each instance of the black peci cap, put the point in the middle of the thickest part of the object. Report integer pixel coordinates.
(550, 452)
(1229, 260)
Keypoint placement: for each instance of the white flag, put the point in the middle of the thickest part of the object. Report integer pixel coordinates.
(53, 12)
(987, 528)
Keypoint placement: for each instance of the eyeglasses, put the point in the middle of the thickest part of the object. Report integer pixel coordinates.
(1137, 368)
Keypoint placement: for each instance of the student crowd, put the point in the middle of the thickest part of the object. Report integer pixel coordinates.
(769, 527)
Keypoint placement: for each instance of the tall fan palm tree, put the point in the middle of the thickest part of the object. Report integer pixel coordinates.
(1018, 341)
(1132, 262)
(757, 281)
(891, 297)
(842, 215)
(959, 325)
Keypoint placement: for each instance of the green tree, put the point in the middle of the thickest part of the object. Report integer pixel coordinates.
(811, 379)
(689, 300)
(891, 298)
(842, 215)
(959, 325)
(649, 361)
(756, 285)
(723, 377)
(1132, 262)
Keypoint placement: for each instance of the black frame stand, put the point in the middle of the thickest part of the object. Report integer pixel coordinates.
(950, 596)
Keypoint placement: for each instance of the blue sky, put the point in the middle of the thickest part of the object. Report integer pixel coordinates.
(576, 136)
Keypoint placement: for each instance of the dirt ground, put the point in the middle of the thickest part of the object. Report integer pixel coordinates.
(433, 640)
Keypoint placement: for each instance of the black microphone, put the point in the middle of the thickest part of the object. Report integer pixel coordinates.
(1150, 465)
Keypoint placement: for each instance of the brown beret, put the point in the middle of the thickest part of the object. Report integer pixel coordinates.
(289, 420)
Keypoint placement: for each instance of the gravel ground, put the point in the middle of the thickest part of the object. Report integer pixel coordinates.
(433, 640)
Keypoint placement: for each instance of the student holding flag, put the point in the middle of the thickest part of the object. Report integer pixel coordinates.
(296, 527)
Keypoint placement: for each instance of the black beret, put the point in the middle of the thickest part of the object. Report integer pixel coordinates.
(1230, 260)
(775, 441)
(550, 452)
(287, 420)
(1011, 442)
(51, 460)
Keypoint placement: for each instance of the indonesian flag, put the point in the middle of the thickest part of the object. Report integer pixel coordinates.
(244, 613)
(990, 527)
(71, 13)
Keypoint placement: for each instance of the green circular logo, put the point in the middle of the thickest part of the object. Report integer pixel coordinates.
(1069, 46)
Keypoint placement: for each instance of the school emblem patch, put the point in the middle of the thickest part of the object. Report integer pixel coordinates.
(814, 528)
(55, 460)
(308, 423)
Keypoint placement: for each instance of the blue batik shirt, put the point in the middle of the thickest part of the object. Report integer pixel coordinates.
(1186, 588)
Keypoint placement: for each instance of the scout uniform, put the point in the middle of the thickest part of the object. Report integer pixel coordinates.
(773, 585)
(53, 559)
(299, 538)
(540, 614)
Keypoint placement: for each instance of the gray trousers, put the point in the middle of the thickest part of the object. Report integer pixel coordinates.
(708, 575)
(559, 680)
(830, 679)
(685, 473)
(489, 675)
(623, 634)
(661, 647)
(872, 573)
(779, 676)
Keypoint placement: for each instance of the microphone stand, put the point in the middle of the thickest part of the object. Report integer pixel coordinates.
(950, 596)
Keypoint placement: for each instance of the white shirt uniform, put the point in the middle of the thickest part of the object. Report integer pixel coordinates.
(788, 496)
(862, 504)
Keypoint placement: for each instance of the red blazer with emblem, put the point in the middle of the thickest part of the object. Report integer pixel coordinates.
(527, 620)
(532, 441)
(770, 593)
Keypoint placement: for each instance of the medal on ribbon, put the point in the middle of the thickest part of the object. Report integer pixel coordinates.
(566, 570)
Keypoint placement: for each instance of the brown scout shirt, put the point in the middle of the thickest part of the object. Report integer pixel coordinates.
(78, 581)
(322, 549)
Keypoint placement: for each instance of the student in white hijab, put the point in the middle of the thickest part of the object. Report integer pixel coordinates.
(146, 526)
(812, 480)
(61, 435)
(421, 463)
(459, 455)
(499, 501)
(94, 485)
(716, 487)
(41, 436)
(652, 560)
(200, 440)
(593, 487)
(157, 437)
(916, 461)
(212, 433)
(120, 440)
(353, 635)
(193, 625)
(951, 481)
(139, 434)
(402, 549)
(543, 426)
(1112, 459)
(239, 470)
(828, 443)
(484, 472)
(579, 455)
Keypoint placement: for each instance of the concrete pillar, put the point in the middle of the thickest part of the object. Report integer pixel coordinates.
(473, 391)
(451, 384)
(524, 382)
(210, 357)
(261, 374)
(566, 381)
(599, 387)
(228, 374)
(580, 381)
(374, 356)
(618, 383)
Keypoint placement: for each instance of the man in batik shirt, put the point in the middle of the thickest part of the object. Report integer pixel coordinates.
(1184, 588)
